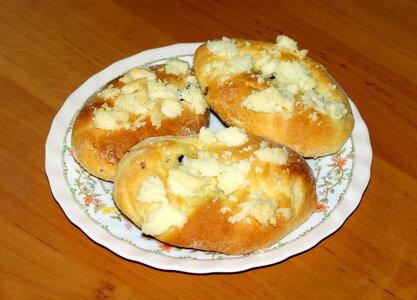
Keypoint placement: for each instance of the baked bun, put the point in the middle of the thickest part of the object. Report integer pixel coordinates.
(145, 102)
(228, 192)
(275, 91)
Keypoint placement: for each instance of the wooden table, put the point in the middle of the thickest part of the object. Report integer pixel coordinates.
(48, 48)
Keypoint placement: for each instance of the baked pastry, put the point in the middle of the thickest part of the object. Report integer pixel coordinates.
(228, 192)
(146, 101)
(275, 91)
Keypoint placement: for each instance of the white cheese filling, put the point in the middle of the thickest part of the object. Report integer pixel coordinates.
(165, 216)
(288, 80)
(145, 95)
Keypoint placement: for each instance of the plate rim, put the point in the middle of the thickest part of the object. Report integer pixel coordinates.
(55, 175)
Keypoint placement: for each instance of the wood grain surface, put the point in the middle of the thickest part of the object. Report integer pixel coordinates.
(48, 48)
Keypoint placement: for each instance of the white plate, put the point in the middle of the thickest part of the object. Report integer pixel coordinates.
(87, 201)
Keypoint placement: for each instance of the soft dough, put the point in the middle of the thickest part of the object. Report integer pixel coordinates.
(145, 102)
(228, 191)
(275, 91)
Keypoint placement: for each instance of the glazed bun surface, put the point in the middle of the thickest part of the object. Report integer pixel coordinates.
(145, 102)
(275, 91)
(228, 192)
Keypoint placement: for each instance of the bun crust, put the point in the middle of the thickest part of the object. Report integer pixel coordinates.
(277, 197)
(307, 130)
(99, 150)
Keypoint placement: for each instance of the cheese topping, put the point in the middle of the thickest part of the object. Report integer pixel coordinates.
(109, 92)
(193, 97)
(240, 64)
(139, 121)
(159, 89)
(165, 215)
(163, 218)
(313, 116)
(233, 198)
(294, 76)
(204, 174)
(261, 210)
(135, 103)
(287, 43)
(288, 80)
(269, 100)
(285, 212)
(324, 105)
(264, 144)
(133, 86)
(185, 184)
(277, 156)
(236, 65)
(215, 68)
(268, 68)
(152, 190)
(230, 136)
(225, 47)
(110, 119)
(176, 67)
(259, 170)
(264, 58)
(225, 209)
(226, 154)
(205, 165)
(171, 108)
(206, 136)
(145, 95)
(284, 42)
(234, 176)
(194, 174)
(137, 73)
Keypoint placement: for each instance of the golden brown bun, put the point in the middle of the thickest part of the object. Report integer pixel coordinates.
(290, 186)
(99, 150)
(308, 131)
